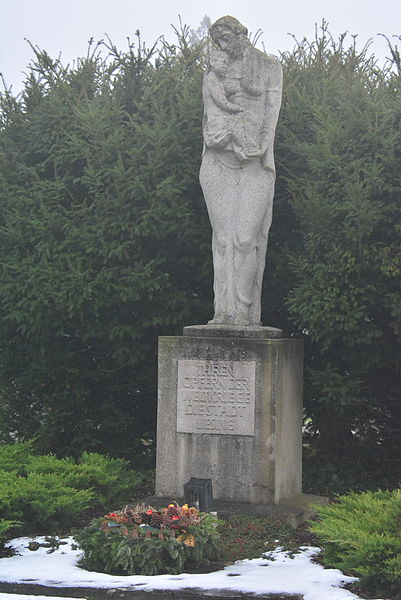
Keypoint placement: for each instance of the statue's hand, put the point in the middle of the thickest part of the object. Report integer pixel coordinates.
(267, 141)
(218, 139)
(234, 108)
(254, 152)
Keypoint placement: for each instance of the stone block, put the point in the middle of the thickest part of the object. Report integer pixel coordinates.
(230, 410)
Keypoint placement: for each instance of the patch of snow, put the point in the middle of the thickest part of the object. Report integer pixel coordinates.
(275, 573)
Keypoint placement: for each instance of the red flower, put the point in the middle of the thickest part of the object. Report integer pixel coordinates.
(149, 512)
(175, 518)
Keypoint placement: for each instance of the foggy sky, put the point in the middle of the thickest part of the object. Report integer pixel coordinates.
(61, 26)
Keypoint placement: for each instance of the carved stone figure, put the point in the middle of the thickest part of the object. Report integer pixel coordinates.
(242, 97)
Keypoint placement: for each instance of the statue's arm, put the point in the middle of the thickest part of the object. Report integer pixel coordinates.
(274, 80)
(216, 90)
(215, 135)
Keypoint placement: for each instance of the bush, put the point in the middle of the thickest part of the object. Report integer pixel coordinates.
(334, 248)
(361, 535)
(147, 541)
(105, 243)
(6, 526)
(99, 185)
(44, 492)
(109, 477)
(42, 500)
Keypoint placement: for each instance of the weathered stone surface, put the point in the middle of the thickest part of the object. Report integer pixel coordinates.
(230, 392)
(242, 97)
(261, 467)
(216, 397)
(233, 331)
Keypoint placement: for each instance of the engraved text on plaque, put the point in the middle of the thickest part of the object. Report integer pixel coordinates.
(216, 397)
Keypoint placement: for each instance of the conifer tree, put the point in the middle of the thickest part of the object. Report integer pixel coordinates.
(100, 209)
(105, 241)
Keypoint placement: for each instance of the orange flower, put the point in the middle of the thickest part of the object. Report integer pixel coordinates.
(188, 539)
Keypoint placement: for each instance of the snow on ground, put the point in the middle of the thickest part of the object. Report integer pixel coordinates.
(297, 575)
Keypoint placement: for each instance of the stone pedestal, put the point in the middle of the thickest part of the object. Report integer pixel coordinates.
(230, 409)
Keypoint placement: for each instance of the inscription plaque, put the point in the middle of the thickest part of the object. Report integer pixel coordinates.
(216, 397)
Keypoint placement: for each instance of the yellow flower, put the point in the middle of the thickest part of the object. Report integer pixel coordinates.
(190, 541)
(187, 538)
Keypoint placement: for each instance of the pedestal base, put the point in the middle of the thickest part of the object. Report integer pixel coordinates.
(232, 331)
(230, 410)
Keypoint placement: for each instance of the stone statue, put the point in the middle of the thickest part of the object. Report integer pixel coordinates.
(242, 97)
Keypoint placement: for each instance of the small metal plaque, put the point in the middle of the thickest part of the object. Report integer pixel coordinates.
(216, 397)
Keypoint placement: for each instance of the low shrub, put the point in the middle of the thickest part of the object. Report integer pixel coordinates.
(6, 526)
(146, 541)
(50, 494)
(41, 501)
(14, 457)
(111, 478)
(360, 534)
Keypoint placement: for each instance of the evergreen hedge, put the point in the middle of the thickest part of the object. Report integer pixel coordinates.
(100, 209)
(105, 243)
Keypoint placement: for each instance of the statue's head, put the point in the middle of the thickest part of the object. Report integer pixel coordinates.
(229, 35)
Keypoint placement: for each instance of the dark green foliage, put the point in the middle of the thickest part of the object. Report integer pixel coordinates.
(361, 536)
(6, 527)
(335, 247)
(100, 207)
(105, 244)
(45, 494)
(41, 501)
(160, 552)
